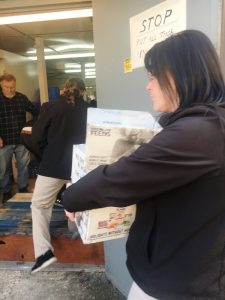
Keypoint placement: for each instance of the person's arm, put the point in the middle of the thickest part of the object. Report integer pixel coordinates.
(70, 215)
(1, 143)
(174, 157)
(26, 140)
(31, 108)
(38, 138)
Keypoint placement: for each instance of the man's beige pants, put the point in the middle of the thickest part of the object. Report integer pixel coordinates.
(44, 196)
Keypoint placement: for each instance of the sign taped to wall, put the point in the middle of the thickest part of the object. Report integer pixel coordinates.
(155, 25)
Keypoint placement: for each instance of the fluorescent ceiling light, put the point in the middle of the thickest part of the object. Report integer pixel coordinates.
(90, 64)
(68, 47)
(56, 15)
(72, 65)
(34, 51)
(73, 71)
(90, 76)
(90, 73)
(60, 56)
(90, 70)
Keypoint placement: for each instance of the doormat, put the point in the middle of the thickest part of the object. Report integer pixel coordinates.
(15, 218)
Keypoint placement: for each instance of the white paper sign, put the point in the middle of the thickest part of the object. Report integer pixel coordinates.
(155, 25)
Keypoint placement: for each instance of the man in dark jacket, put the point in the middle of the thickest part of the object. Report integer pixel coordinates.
(60, 125)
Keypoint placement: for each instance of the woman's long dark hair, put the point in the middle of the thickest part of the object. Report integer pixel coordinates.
(191, 60)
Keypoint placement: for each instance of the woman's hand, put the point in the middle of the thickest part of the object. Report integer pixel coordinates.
(1, 143)
(70, 215)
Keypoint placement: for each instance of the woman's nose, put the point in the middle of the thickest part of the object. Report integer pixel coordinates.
(149, 86)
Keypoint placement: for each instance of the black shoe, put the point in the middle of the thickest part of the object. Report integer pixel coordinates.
(58, 201)
(24, 190)
(43, 261)
(7, 196)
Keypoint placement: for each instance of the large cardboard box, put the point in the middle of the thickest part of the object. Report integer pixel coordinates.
(110, 135)
(106, 223)
(115, 133)
(100, 224)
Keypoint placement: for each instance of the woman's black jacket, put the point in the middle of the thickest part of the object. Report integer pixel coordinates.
(176, 245)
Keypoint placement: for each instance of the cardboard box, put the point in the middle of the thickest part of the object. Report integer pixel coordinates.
(78, 163)
(104, 224)
(26, 130)
(100, 224)
(115, 133)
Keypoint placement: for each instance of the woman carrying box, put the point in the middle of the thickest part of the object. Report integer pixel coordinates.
(176, 245)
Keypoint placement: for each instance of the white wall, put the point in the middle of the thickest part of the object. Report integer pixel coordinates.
(115, 89)
(23, 69)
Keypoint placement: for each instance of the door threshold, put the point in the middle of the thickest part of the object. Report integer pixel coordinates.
(60, 267)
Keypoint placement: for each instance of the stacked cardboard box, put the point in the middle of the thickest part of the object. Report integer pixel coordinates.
(78, 163)
(115, 133)
(110, 135)
(103, 223)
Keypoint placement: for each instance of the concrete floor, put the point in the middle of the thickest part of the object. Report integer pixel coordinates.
(82, 282)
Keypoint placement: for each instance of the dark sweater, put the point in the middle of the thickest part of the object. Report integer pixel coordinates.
(176, 245)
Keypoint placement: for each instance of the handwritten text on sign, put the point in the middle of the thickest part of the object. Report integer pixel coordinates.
(153, 26)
